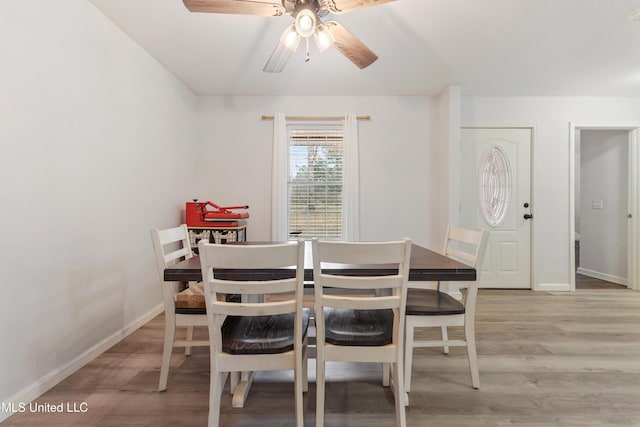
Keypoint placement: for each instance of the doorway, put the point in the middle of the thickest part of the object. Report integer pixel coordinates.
(596, 204)
(601, 201)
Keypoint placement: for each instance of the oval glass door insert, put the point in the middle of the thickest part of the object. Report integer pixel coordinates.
(494, 185)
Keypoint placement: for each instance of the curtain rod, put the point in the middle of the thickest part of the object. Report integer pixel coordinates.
(316, 117)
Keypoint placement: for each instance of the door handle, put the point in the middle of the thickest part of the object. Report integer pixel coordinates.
(528, 216)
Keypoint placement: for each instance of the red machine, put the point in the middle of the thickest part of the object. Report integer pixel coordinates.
(208, 214)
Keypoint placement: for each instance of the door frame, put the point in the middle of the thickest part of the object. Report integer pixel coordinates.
(633, 201)
(532, 201)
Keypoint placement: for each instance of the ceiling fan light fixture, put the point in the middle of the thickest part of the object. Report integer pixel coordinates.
(323, 37)
(290, 38)
(306, 22)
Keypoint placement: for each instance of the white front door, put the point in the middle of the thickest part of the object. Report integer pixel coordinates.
(496, 195)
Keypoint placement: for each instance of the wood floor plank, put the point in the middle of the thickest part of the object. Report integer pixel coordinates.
(545, 358)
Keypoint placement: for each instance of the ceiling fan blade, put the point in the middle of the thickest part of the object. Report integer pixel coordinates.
(289, 5)
(278, 59)
(344, 6)
(240, 7)
(287, 46)
(350, 46)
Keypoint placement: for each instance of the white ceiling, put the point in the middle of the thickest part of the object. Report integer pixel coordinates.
(488, 47)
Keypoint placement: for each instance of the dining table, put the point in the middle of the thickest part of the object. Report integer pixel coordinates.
(425, 265)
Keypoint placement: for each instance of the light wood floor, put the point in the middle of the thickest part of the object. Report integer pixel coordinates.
(587, 282)
(546, 359)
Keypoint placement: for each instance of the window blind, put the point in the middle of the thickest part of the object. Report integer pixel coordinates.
(315, 180)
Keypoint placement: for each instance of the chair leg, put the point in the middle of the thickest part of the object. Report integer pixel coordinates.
(445, 337)
(215, 391)
(169, 337)
(398, 382)
(320, 368)
(408, 355)
(470, 337)
(299, 379)
(187, 349)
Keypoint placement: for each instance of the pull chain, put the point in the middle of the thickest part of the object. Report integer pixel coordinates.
(308, 57)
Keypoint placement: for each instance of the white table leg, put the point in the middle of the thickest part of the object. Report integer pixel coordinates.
(242, 389)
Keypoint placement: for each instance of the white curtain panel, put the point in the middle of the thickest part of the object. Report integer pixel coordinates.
(351, 193)
(279, 179)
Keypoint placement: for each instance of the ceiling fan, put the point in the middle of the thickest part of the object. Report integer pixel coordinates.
(307, 23)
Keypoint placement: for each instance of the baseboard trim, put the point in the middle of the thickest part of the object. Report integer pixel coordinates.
(604, 276)
(553, 287)
(36, 389)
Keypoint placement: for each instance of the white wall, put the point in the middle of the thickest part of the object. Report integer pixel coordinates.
(551, 117)
(603, 226)
(397, 152)
(97, 147)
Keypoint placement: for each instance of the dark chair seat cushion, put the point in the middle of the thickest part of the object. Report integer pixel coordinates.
(261, 334)
(430, 302)
(358, 327)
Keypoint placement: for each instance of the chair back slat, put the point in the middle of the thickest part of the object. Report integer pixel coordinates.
(174, 234)
(253, 287)
(361, 303)
(360, 252)
(179, 255)
(254, 309)
(263, 256)
(462, 256)
(361, 282)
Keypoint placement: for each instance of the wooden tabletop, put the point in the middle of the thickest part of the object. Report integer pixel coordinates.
(425, 265)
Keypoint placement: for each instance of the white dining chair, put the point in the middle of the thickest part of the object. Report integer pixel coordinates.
(182, 307)
(435, 308)
(254, 335)
(360, 318)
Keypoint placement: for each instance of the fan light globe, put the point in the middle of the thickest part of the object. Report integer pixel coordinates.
(306, 23)
(323, 37)
(290, 38)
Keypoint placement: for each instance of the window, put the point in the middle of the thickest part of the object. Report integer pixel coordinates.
(315, 189)
(315, 181)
